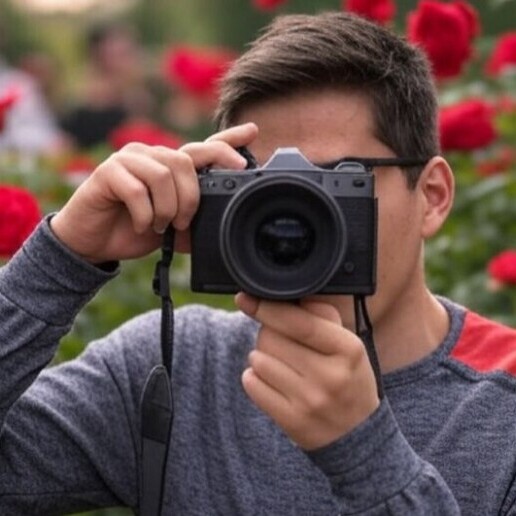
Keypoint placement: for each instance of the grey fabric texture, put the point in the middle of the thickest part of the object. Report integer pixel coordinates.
(441, 443)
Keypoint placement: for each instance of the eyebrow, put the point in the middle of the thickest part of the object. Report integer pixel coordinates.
(370, 163)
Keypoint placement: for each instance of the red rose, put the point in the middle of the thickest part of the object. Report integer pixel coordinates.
(197, 70)
(502, 267)
(79, 164)
(505, 105)
(466, 125)
(381, 11)
(503, 56)
(502, 161)
(7, 100)
(77, 168)
(143, 132)
(445, 32)
(267, 5)
(19, 215)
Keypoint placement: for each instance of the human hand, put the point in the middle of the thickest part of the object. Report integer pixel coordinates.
(308, 373)
(122, 208)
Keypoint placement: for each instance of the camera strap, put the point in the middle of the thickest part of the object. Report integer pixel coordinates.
(157, 407)
(157, 404)
(364, 330)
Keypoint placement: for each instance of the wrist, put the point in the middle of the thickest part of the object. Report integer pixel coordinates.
(60, 231)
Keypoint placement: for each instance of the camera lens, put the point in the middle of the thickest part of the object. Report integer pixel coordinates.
(282, 236)
(285, 240)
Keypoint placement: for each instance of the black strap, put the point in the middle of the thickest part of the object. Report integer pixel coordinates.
(364, 330)
(157, 405)
(161, 286)
(157, 413)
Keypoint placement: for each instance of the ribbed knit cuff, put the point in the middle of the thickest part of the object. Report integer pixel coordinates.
(370, 464)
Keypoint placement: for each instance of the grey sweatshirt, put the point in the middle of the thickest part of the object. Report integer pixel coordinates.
(442, 442)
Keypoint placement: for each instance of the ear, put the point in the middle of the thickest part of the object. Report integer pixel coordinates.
(437, 189)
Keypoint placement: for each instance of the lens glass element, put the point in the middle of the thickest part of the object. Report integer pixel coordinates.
(282, 236)
(285, 240)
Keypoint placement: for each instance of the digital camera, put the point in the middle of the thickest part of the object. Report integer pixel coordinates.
(286, 230)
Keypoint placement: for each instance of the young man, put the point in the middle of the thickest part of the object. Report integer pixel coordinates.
(276, 409)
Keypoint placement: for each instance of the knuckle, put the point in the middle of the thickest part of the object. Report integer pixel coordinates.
(162, 150)
(355, 352)
(133, 147)
(337, 379)
(183, 161)
(162, 173)
(189, 147)
(219, 145)
(316, 401)
(136, 191)
(307, 330)
(106, 166)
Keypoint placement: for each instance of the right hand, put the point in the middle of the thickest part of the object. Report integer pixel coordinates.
(121, 210)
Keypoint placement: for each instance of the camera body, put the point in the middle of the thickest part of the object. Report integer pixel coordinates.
(286, 230)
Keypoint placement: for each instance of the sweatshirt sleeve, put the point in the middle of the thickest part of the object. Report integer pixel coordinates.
(59, 448)
(42, 288)
(374, 471)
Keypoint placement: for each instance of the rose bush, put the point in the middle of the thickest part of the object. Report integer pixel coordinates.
(502, 267)
(478, 132)
(467, 125)
(503, 57)
(197, 70)
(19, 214)
(267, 5)
(142, 131)
(381, 11)
(446, 32)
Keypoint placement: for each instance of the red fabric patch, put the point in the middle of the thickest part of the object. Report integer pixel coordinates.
(486, 346)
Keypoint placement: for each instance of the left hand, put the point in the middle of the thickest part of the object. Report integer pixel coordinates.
(311, 375)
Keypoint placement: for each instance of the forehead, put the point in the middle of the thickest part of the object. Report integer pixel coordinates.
(322, 124)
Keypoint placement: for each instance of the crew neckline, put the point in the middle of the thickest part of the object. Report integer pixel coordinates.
(421, 368)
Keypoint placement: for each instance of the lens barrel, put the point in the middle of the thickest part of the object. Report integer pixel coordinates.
(282, 236)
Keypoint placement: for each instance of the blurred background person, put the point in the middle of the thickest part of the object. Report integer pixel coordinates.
(30, 126)
(114, 88)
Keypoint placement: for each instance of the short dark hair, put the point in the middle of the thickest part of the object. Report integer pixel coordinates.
(340, 50)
